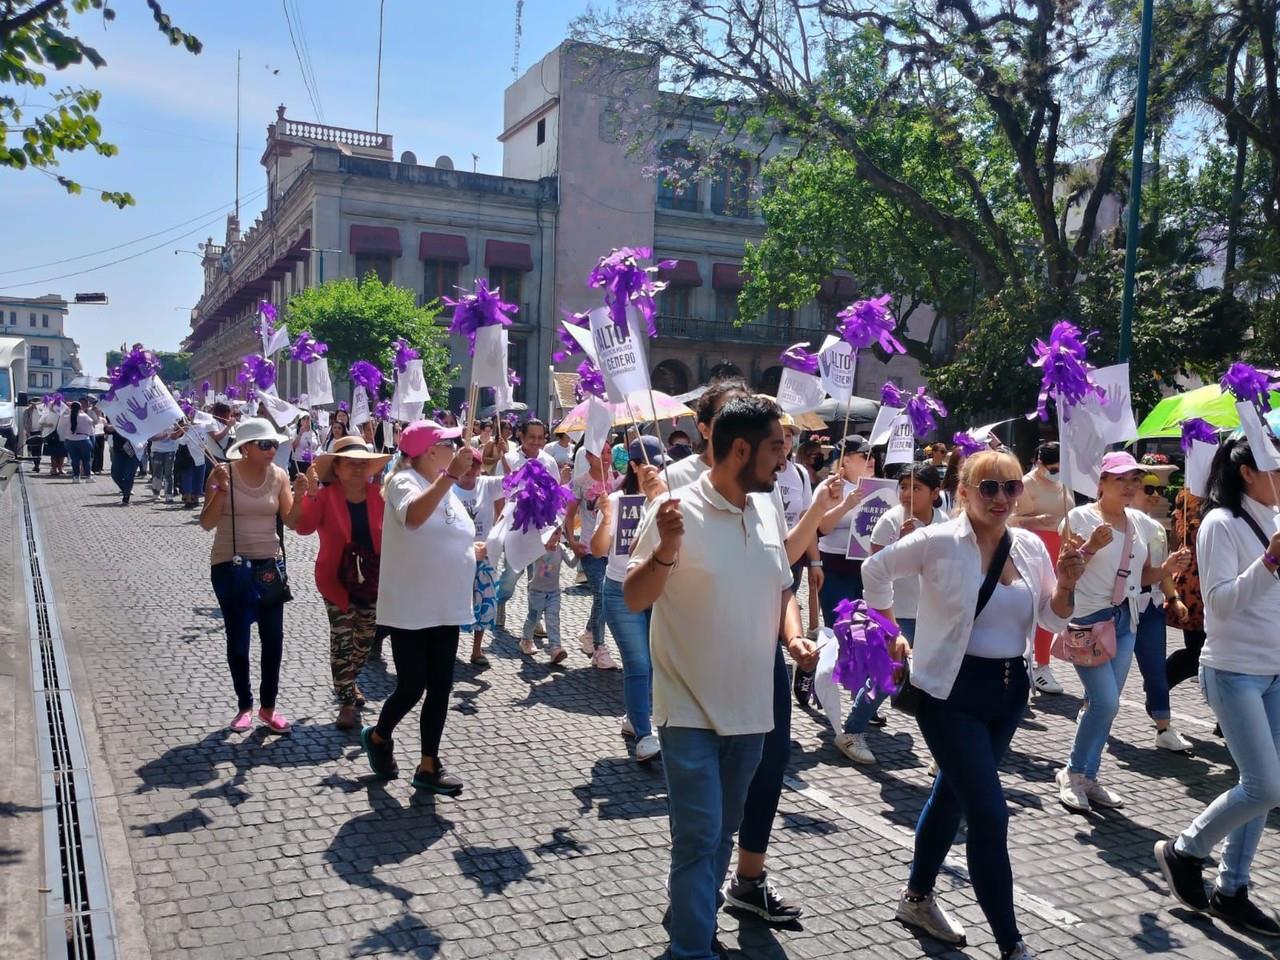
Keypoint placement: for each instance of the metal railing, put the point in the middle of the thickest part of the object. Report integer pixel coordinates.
(325, 133)
(693, 328)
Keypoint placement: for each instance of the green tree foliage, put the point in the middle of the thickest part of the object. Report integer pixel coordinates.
(175, 368)
(35, 36)
(360, 319)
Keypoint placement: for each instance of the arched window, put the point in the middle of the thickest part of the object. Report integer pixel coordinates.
(671, 377)
(731, 186)
(677, 177)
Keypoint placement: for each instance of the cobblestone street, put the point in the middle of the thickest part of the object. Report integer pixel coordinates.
(257, 846)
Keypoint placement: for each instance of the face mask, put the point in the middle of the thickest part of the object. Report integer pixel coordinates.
(1053, 472)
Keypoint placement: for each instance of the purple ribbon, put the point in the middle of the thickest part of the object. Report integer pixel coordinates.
(1065, 374)
(232, 393)
(306, 349)
(258, 371)
(865, 637)
(1250, 384)
(626, 283)
(382, 410)
(796, 357)
(513, 379)
(591, 380)
(365, 374)
(968, 443)
(1196, 429)
(403, 354)
(539, 498)
(571, 347)
(484, 308)
(137, 365)
(922, 409)
(891, 395)
(865, 322)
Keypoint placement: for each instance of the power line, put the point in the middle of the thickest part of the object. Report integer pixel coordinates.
(306, 57)
(129, 243)
(306, 83)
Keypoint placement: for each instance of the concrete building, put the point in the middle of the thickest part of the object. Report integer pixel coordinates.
(53, 358)
(341, 204)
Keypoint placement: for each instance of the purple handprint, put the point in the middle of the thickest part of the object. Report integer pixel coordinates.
(138, 408)
(124, 423)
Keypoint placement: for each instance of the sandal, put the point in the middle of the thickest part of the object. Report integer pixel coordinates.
(479, 660)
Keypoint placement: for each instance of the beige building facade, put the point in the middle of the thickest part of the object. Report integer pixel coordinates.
(53, 358)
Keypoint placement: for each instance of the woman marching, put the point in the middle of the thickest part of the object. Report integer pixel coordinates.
(1239, 557)
(347, 513)
(246, 503)
(429, 554)
(983, 587)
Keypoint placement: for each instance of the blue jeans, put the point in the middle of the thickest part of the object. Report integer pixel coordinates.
(593, 567)
(507, 582)
(238, 616)
(544, 604)
(1149, 651)
(162, 473)
(81, 453)
(766, 786)
(1102, 687)
(968, 734)
(1248, 708)
(842, 582)
(864, 704)
(192, 480)
(631, 633)
(707, 780)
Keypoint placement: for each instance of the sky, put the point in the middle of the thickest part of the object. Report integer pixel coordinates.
(445, 64)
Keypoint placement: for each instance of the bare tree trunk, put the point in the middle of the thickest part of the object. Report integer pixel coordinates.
(1237, 195)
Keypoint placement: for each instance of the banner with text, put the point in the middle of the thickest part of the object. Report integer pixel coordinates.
(621, 356)
(878, 496)
(836, 363)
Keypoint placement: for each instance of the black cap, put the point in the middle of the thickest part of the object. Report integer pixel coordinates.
(853, 443)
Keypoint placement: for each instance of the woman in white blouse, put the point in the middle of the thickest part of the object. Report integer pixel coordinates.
(971, 663)
(1239, 555)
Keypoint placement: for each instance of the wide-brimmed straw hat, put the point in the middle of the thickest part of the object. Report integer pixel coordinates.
(348, 448)
(251, 430)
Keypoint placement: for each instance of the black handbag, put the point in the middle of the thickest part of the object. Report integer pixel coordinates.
(909, 698)
(267, 581)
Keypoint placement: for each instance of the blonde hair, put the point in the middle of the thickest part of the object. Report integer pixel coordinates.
(400, 463)
(980, 463)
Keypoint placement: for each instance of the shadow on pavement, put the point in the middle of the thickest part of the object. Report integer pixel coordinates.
(493, 869)
(407, 936)
(621, 789)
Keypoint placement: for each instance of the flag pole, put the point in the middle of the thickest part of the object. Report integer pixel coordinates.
(653, 404)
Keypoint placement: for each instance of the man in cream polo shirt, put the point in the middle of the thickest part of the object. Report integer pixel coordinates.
(712, 564)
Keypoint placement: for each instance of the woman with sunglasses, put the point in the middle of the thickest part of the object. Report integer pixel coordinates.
(1239, 553)
(971, 666)
(1108, 590)
(1184, 664)
(246, 503)
(428, 568)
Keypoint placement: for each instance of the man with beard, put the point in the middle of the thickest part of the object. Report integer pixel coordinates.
(712, 563)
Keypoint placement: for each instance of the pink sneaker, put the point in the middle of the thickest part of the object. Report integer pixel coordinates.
(601, 659)
(557, 654)
(528, 647)
(243, 721)
(276, 721)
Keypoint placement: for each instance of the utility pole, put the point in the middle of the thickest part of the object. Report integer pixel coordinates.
(237, 137)
(377, 96)
(1135, 189)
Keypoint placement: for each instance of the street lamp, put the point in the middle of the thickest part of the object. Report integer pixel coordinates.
(1135, 190)
(321, 257)
(194, 253)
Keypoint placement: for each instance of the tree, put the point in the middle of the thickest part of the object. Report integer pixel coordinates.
(360, 319)
(35, 34)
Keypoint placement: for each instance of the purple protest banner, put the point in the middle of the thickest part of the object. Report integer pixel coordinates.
(630, 509)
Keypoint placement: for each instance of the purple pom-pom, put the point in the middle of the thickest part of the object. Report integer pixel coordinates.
(968, 443)
(204, 388)
(403, 355)
(891, 395)
(258, 371)
(484, 308)
(626, 283)
(796, 357)
(382, 410)
(232, 393)
(922, 409)
(539, 498)
(591, 380)
(865, 636)
(344, 407)
(1250, 384)
(138, 364)
(571, 347)
(365, 374)
(1196, 429)
(867, 322)
(306, 349)
(1065, 374)
(513, 379)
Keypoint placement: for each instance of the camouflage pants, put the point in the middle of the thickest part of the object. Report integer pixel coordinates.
(350, 637)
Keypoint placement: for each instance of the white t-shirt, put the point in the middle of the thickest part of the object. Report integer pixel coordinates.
(516, 459)
(686, 471)
(479, 502)
(560, 454)
(1157, 553)
(888, 530)
(1093, 592)
(586, 490)
(616, 567)
(426, 576)
(837, 541)
(796, 491)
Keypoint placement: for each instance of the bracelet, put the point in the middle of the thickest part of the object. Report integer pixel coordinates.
(1271, 559)
(451, 476)
(1086, 552)
(815, 564)
(663, 563)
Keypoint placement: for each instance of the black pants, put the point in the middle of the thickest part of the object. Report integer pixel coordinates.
(424, 664)
(1185, 663)
(99, 449)
(35, 446)
(238, 617)
(766, 786)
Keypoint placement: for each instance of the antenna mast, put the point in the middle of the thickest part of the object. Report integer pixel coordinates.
(237, 136)
(515, 62)
(377, 97)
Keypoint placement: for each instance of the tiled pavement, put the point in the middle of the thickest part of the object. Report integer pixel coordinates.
(284, 847)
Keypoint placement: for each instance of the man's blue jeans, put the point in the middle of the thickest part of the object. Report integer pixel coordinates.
(631, 633)
(707, 780)
(1248, 708)
(864, 704)
(1102, 687)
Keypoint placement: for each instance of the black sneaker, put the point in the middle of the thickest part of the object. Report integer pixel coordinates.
(877, 720)
(1184, 876)
(1239, 911)
(802, 687)
(382, 759)
(760, 897)
(439, 782)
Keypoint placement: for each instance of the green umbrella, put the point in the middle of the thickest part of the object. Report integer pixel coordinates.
(1208, 403)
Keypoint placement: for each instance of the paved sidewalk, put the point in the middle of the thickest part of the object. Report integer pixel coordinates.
(255, 846)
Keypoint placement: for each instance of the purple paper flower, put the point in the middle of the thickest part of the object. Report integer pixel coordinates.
(513, 379)
(438, 414)
(591, 380)
(626, 283)
(306, 455)
(344, 407)
(258, 371)
(796, 357)
(1250, 384)
(306, 349)
(267, 309)
(968, 443)
(484, 308)
(571, 346)
(187, 407)
(382, 410)
(865, 637)
(403, 354)
(53, 400)
(1065, 374)
(891, 395)
(922, 409)
(539, 498)
(1196, 429)
(204, 388)
(138, 364)
(365, 374)
(232, 393)
(866, 322)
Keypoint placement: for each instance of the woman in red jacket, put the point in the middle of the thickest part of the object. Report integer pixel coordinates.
(347, 513)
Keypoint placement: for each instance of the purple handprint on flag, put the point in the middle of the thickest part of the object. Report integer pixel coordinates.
(137, 407)
(124, 423)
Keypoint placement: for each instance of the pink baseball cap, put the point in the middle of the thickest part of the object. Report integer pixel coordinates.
(421, 435)
(1118, 461)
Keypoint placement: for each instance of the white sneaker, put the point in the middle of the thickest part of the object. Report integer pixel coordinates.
(854, 746)
(540, 631)
(528, 646)
(1072, 790)
(627, 730)
(1020, 952)
(1100, 796)
(601, 659)
(928, 916)
(647, 748)
(587, 642)
(75, 479)
(1044, 680)
(1171, 739)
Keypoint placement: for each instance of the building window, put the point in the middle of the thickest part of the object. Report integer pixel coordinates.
(507, 280)
(677, 172)
(40, 355)
(379, 263)
(517, 357)
(33, 319)
(44, 320)
(46, 380)
(726, 306)
(13, 318)
(439, 279)
(731, 187)
(33, 380)
(542, 131)
(676, 301)
(780, 317)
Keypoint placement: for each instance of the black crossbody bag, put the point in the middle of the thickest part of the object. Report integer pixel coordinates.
(267, 583)
(908, 698)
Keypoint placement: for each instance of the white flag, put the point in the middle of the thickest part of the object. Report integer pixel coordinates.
(621, 356)
(799, 392)
(489, 364)
(824, 687)
(883, 426)
(583, 337)
(359, 407)
(282, 412)
(319, 386)
(411, 385)
(1081, 451)
(902, 441)
(140, 412)
(279, 340)
(836, 361)
(1260, 440)
(1199, 460)
(1114, 420)
(599, 423)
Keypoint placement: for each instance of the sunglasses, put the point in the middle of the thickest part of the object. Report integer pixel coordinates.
(987, 489)
(266, 444)
(1152, 491)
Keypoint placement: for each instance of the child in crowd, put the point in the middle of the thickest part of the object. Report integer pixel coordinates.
(544, 598)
